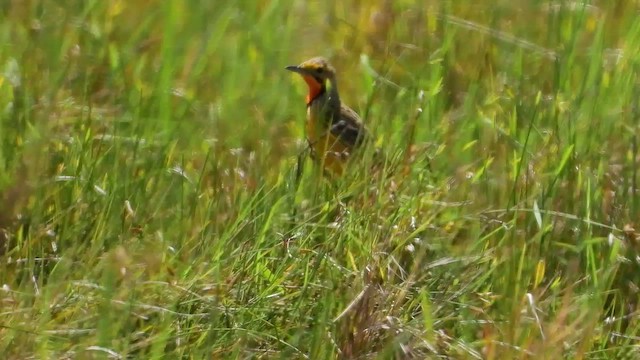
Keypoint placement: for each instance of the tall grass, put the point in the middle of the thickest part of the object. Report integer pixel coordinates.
(150, 203)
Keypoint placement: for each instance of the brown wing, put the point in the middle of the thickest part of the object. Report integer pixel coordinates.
(349, 128)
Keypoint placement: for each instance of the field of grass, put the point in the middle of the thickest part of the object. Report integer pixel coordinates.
(152, 206)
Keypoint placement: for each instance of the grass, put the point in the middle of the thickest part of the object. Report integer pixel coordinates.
(150, 208)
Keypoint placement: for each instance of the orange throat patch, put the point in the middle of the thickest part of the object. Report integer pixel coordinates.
(315, 88)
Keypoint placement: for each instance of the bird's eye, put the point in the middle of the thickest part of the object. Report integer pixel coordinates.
(319, 70)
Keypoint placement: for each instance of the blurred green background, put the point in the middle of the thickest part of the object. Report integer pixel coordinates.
(149, 204)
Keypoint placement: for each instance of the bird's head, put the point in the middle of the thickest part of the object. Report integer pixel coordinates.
(315, 72)
(317, 68)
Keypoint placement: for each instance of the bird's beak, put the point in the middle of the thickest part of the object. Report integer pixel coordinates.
(295, 69)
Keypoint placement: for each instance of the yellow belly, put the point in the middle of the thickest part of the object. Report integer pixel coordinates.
(329, 152)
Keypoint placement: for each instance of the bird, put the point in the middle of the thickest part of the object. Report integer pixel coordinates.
(334, 131)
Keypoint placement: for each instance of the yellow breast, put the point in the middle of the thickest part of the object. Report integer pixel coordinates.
(328, 150)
